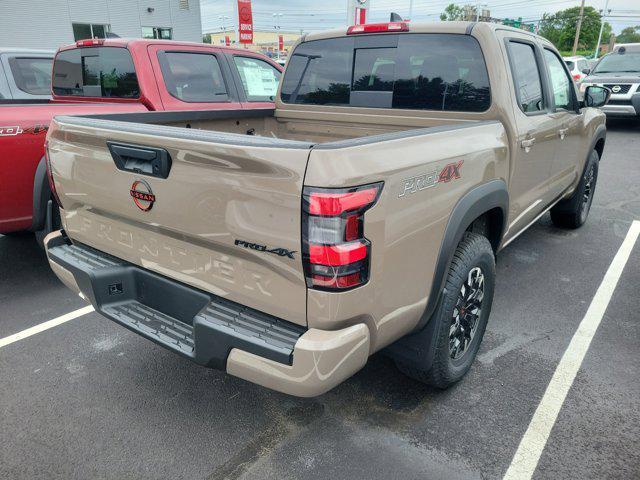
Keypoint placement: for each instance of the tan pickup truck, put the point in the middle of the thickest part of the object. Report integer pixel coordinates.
(364, 213)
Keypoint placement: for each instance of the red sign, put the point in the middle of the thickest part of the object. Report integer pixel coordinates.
(245, 21)
(361, 16)
(227, 40)
(280, 43)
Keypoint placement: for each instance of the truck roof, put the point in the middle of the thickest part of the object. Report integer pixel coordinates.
(142, 42)
(430, 27)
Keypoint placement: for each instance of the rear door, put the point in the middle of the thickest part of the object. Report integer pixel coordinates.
(225, 216)
(536, 133)
(193, 78)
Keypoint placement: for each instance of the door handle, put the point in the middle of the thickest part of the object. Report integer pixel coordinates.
(143, 160)
(527, 144)
(563, 133)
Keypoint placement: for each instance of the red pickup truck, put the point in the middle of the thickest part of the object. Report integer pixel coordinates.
(95, 77)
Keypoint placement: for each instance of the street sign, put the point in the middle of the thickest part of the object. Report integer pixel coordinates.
(280, 43)
(245, 21)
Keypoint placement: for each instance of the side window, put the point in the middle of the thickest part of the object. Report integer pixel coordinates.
(582, 64)
(259, 78)
(559, 81)
(193, 77)
(32, 75)
(526, 77)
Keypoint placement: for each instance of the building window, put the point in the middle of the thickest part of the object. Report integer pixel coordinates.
(156, 32)
(82, 31)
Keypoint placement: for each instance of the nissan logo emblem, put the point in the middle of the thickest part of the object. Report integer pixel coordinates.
(616, 89)
(142, 195)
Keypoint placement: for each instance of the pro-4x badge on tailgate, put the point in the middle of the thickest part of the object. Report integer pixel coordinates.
(142, 195)
(449, 172)
(282, 252)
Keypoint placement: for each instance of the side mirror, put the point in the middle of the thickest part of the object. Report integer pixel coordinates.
(586, 71)
(596, 96)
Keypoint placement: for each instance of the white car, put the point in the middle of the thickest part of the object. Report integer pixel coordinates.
(576, 65)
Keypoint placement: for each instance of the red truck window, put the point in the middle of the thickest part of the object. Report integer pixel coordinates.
(193, 77)
(95, 72)
(259, 78)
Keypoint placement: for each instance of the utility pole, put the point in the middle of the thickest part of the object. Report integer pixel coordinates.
(410, 9)
(605, 12)
(575, 41)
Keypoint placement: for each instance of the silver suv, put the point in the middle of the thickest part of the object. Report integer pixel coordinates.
(620, 72)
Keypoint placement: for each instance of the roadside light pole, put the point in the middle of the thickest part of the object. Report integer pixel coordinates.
(578, 27)
(605, 12)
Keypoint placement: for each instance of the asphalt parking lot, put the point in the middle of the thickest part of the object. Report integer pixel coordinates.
(89, 399)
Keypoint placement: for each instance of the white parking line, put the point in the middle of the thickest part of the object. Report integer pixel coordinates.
(45, 326)
(535, 438)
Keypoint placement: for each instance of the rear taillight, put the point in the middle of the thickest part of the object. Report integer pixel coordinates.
(52, 186)
(336, 255)
(576, 76)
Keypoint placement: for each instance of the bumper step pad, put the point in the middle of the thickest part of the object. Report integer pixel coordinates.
(153, 323)
(193, 323)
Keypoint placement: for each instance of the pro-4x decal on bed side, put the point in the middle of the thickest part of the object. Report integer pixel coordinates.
(10, 131)
(415, 184)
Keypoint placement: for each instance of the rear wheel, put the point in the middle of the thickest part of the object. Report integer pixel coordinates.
(573, 212)
(461, 318)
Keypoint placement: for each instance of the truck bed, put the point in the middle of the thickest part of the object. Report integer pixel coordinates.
(268, 125)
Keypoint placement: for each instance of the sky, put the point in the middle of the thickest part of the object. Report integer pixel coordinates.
(308, 15)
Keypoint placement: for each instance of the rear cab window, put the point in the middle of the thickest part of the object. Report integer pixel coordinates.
(106, 72)
(193, 76)
(445, 72)
(259, 78)
(32, 75)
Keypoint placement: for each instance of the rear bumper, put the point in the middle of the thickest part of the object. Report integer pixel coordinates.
(207, 329)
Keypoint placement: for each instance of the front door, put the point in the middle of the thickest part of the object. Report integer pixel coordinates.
(564, 171)
(536, 134)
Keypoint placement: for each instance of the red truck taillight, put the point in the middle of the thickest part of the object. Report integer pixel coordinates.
(52, 186)
(335, 251)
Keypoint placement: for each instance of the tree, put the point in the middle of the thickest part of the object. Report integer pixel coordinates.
(629, 35)
(452, 13)
(560, 28)
(206, 38)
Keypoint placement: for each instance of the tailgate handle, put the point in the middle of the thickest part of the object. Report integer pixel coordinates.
(155, 162)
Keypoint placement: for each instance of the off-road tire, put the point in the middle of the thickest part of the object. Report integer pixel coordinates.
(473, 251)
(573, 212)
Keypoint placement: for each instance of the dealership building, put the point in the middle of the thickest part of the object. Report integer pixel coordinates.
(52, 23)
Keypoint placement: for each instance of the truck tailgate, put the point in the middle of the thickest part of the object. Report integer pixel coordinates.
(226, 219)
